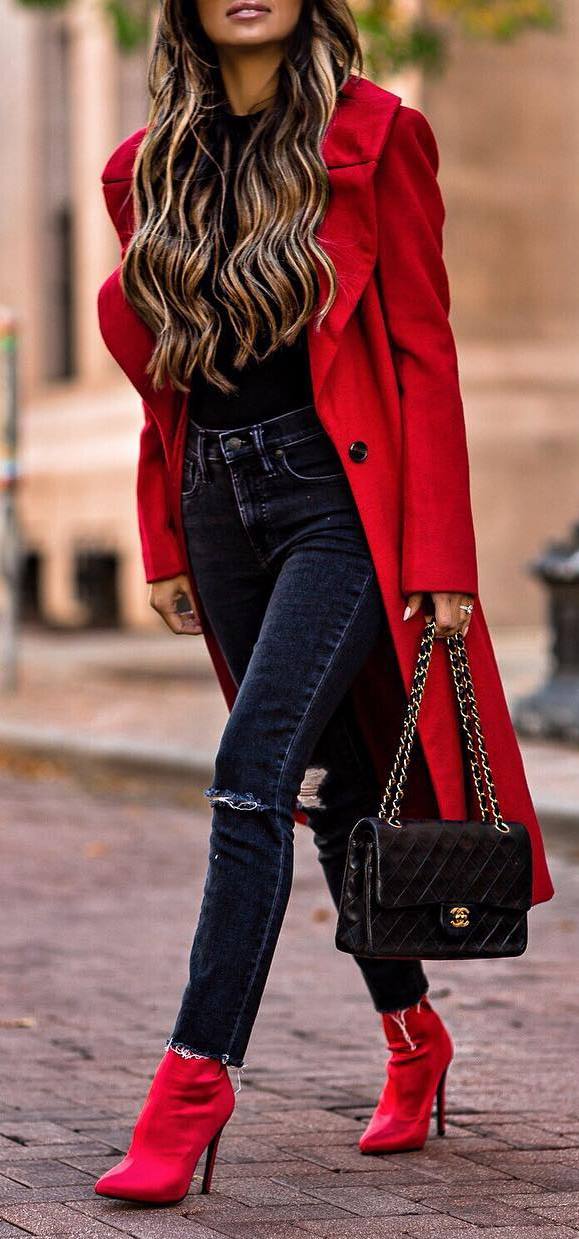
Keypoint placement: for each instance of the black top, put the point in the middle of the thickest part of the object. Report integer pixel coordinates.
(265, 388)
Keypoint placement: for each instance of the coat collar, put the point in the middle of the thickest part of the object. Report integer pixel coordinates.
(352, 144)
(361, 120)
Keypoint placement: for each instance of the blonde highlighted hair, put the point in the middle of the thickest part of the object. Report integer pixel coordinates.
(280, 195)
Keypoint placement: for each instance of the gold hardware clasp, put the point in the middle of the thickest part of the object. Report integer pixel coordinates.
(460, 917)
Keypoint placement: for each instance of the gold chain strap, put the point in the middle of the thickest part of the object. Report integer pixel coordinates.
(461, 672)
(463, 698)
(477, 753)
(394, 787)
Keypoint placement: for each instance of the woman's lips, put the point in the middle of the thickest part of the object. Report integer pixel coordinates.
(244, 11)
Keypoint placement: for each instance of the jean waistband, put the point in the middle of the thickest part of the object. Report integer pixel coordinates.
(288, 427)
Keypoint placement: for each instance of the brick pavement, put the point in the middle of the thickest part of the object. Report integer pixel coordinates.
(99, 899)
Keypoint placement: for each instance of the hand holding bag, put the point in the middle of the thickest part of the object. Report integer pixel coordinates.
(430, 889)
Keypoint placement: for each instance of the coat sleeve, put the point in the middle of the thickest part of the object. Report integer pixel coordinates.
(160, 550)
(438, 539)
(162, 557)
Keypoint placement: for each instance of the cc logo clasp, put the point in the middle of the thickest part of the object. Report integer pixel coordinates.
(459, 917)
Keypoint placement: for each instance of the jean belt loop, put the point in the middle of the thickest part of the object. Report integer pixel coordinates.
(201, 440)
(256, 433)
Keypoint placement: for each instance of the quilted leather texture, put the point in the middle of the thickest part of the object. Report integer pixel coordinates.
(435, 890)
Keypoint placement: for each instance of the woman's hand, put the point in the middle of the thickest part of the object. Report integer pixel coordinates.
(450, 619)
(164, 596)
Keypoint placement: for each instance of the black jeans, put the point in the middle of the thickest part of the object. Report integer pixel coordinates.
(280, 558)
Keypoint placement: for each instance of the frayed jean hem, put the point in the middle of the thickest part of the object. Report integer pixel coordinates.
(188, 1051)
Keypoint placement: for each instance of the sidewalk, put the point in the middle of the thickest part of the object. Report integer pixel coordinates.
(117, 708)
(100, 895)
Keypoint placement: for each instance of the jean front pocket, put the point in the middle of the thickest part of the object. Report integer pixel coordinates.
(191, 475)
(311, 459)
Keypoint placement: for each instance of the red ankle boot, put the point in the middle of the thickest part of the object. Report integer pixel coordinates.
(421, 1051)
(186, 1109)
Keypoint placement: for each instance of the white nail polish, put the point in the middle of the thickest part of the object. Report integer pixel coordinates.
(407, 613)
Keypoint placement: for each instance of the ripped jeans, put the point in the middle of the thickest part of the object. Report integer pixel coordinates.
(283, 569)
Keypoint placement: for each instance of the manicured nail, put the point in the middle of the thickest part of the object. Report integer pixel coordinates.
(407, 613)
(466, 630)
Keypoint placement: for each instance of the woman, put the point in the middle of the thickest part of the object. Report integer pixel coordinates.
(282, 309)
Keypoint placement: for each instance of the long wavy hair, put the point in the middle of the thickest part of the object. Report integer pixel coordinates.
(268, 280)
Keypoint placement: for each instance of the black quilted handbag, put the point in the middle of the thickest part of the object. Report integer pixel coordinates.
(429, 889)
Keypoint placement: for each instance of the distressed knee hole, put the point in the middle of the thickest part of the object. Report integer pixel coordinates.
(235, 800)
(309, 793)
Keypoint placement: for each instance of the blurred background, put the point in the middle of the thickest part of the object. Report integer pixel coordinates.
(499, 82)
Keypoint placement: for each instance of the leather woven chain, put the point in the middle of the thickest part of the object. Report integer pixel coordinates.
(477, 752)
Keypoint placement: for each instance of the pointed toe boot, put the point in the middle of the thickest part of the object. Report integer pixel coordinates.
(188, 1104)
(421, 1051)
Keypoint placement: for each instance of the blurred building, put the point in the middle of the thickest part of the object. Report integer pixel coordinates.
(67, 97)
(506, 119)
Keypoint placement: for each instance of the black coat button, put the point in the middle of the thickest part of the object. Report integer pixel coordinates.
(358, 450)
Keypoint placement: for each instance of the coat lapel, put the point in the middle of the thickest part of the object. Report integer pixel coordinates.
(348, 234)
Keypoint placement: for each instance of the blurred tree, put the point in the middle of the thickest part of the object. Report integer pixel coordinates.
(398, 33)
(395, 34)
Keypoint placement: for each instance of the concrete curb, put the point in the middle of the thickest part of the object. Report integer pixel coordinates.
(168, 771)
(175, 772)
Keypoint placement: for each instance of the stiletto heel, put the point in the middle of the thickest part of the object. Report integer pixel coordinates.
(210, 1162)
(441, 1105)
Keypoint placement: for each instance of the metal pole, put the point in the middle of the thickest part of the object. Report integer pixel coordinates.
(552, 712)
(9, 539)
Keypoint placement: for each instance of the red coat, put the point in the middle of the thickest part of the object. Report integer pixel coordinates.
(384, 370)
